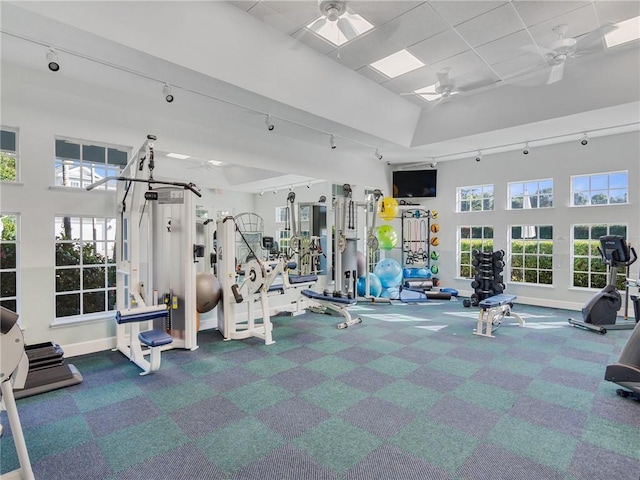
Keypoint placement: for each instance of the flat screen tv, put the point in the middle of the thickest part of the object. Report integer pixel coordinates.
(414, 183)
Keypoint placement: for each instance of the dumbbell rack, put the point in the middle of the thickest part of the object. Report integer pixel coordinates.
(488, 280)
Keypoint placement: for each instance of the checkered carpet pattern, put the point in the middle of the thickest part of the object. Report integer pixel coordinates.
(407, 394)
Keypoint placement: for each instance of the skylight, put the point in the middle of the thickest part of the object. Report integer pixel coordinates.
(429, 93)
(179, 156)
(627, 31)
(330, 31)
(397, 64)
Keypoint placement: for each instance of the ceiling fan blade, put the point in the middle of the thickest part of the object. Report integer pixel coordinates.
(318, 24)
(588, 39)
(557, 72)
(344, 25)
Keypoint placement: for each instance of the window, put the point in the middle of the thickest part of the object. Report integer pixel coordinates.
(282, 237)
(531, 254)
(475, 199)
(8, 155)
(9, 262)
(78, 165)
(531, 194)
(85, 265)
(282, 214)
(470, 239)
(588, 269)
(599, 189)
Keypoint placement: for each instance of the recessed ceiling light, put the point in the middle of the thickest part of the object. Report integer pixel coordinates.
(397, 64)
(627, 31)
(178, 156)
(330, 31)
(214, 163)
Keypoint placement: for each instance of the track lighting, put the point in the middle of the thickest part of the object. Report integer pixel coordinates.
(378, 154)
(52, 60)
(166, 91)
(479, 156)
(584, 140)
(261, 192)
(526, 149)
(275, 190)
(309, 185)
(268, 123)
(332, 142)
(433, 163)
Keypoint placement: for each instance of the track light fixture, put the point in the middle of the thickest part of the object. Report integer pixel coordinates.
(526, 149)
(433, 163)
(275, 190)
(479, 156)
(52, 60)
(268, 123)
(166, 91)
(378, 154)
(261, 192)
(585, 139)
(309, 185)
(332, 142)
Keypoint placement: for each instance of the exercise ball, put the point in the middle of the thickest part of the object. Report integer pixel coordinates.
(388, 208)
(375, 287)
(387, 237)
(423, 273)
(361, 264)
(208, 292)
(389, 272)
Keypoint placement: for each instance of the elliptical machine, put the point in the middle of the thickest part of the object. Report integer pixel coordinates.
(626, 372)
(600, 313)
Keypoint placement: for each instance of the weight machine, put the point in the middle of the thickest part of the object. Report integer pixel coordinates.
(155, 268)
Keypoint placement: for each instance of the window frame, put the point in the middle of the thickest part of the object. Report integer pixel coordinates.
(109, 289)
(82, 164)
(460, 200)
(5, 300)
(535, 196)
(590, 194)
(525, 254)
(593, 258)
(15, 154)
(462, 254)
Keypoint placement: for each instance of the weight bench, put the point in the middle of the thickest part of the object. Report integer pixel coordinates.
(153, 339)
(335, 304)
(492, 311)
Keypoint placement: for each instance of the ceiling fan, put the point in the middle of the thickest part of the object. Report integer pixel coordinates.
(334, 11)
(446, 87)
(565, 48)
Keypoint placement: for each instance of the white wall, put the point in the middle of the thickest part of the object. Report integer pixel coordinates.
(560, 162)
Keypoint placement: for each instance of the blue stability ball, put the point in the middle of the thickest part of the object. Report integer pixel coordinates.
(389, 272)
(375, 287)
(392, 293)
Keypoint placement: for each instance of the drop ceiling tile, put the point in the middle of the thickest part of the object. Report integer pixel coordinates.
(617, 11)
(535, 12)
(457, 12)
(243, 4)
(490, 26)
(414, 26)
(371, 46)
(379, 12)
(346, 59)
(579, 21)
(505, 47)
(460, 64)
(435, 49)
(263, 11)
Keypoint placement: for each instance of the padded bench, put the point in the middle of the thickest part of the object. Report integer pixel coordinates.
(492, 311)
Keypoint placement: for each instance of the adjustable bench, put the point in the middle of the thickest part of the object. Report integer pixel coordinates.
(492, 311)
(335, 304)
